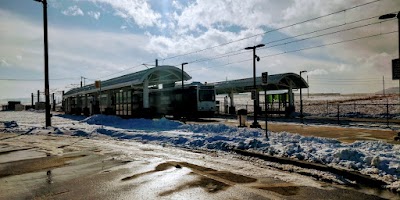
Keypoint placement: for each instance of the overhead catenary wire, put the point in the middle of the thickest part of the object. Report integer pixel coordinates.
(295, 41)
(302, 49)
(252, 36)
(273, 30)
(41, 79)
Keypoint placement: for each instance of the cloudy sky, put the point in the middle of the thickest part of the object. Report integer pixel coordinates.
(342, 44)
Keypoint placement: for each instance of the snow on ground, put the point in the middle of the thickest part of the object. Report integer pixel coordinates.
(377, 159)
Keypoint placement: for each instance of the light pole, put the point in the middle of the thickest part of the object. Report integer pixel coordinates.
(255, 123)
(46, 63)
(301, 100)
(389, 16)
(183, 103)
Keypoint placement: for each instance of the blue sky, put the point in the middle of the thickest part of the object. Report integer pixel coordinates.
(101, 39)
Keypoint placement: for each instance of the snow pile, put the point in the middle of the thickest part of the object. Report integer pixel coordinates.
(377, 159)
(138, 124)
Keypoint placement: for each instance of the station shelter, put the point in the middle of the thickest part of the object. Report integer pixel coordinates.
(279, 91)
(119, 95)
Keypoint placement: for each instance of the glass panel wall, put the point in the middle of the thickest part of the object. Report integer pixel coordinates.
(124, 102)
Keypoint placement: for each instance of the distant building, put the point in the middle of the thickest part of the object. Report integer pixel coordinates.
(13, 106)
(4, 107)
(19, 107)
(40, 106)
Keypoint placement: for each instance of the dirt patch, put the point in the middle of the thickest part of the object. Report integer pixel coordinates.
(34, 165)
(164, 166)
(13, 150)
(286, 191)
(208, 184)
(236, 178)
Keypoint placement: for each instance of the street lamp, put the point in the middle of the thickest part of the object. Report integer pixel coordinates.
(46, 63)
(255, 123)
(183, 103)
(389, 16)
(301, 100)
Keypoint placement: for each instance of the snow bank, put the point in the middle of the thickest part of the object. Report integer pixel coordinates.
(377, 159)
(138, 124)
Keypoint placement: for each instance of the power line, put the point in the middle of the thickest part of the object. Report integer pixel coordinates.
(273, 30)
(122, 71)
(303, 39)
(54, 79)
(303, 49)
(366, 79)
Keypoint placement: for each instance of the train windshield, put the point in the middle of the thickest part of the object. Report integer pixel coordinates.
(206, 95)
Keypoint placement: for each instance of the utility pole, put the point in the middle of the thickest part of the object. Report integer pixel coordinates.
(308, 89)
(301, 100)
(255, 57)
(389, 16)
(183, 102)
(46, 63)
(383, 85)
(84, 82)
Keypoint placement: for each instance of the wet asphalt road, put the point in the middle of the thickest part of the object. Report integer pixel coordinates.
(64, 167)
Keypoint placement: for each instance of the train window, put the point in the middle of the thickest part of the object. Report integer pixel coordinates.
(206, 95)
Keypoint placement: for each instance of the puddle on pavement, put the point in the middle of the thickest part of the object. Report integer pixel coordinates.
(12, 154)
(208, 184)
(34, 165)
(208, 179)
(282, 190)
(213, 181)
(236, 178)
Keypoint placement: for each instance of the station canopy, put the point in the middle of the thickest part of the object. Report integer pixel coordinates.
(275, 82)
(157, 75)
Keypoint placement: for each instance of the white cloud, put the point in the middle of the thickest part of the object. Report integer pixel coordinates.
(94, 55)
(200, 24)
(4, 63)
(139, 11)
(208, 13)
(177, 44)
(317, 72)
(177, 5)
(94, 14)
(341, 68)
(73, 11)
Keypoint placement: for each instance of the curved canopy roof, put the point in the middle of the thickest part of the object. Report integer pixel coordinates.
(275, 82)
(156, 75)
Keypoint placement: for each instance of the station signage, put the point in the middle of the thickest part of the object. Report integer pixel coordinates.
(254, 94)
(97, 84)
(264, 78)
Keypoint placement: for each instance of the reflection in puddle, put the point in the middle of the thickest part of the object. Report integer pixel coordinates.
(211, 180)
(49, 177)
(208, 184)
(282, 190)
